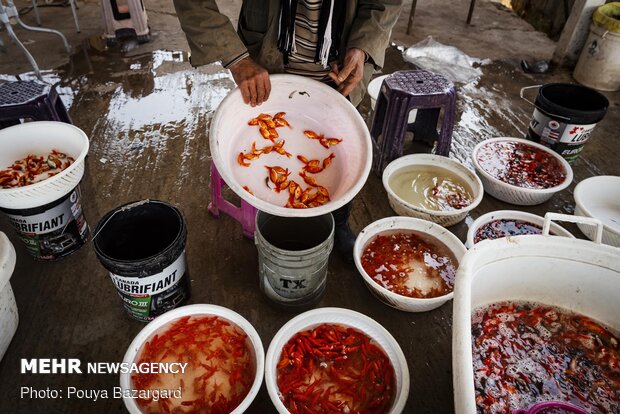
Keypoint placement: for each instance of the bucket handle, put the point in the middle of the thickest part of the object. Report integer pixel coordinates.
(574, 219)
(125, 208)
(522, 95)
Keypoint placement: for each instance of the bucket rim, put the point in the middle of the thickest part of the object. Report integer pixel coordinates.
(126, 207)
(599, 96)
(259, 236)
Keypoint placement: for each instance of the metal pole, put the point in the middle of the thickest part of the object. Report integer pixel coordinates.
(471, 11)
(414, 3)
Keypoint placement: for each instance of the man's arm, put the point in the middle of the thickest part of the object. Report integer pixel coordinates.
(372, 27)
(212, 37)
(368, 39)
(210, 34)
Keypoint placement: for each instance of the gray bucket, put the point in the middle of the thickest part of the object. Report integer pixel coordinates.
(292, 258)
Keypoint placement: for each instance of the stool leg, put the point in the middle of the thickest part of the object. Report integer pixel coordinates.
(378, 117)
(60, 112)
(393, 135)
(216, 191)
(248, 219)
(445, 139)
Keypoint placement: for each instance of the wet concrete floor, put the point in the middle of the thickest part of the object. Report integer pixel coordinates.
(148, 117)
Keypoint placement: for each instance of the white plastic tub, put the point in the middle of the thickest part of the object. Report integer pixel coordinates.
(346, 317)
(390, 225)
(8, 309)
(577, 275)
(309, 105)
(153, 327)
(513, 194)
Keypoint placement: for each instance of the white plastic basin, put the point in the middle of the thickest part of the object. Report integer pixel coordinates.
(309, 105)
(577, 275)
(154, 327)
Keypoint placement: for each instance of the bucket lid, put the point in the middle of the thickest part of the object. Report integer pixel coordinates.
(606, 17)
(7, 260)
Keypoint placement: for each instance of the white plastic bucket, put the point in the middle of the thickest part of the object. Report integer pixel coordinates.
(293, 254)
(576, 275)
(599, 62)
(8, 309)
(47, 215)
(40, 138)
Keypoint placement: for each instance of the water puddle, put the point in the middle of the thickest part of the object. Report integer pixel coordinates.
(146, 115)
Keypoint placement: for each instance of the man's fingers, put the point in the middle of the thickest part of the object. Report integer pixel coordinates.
(346, 70)
(334, 77)
(267, 84)
(252, 89)
(245, 92)
(260, 90)
(347, 88)
(334, 73)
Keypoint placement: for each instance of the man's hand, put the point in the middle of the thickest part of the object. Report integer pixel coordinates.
(351, 73)
(253, 81)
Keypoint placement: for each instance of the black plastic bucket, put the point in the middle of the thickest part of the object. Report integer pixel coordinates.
(564, 116)
(54, 230)
(142, 245)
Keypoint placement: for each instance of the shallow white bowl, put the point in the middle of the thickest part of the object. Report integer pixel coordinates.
(154, 326)
(599, 198)
(308, 105)
(346, 317)
(556, 229)
(519, 195)
(444, 218)
(390, 225)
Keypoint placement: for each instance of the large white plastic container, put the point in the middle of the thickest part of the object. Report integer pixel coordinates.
(8, 308)
(577, 275)
(599, 62)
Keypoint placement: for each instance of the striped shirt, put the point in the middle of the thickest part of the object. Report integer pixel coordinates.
(301, 59)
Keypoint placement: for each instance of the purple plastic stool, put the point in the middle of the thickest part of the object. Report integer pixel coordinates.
(30, 99)
(542, 407)
(244, 214)
(400, 93)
